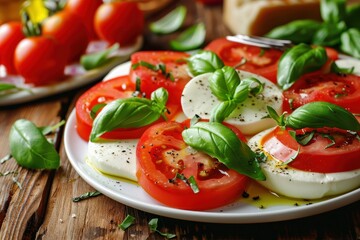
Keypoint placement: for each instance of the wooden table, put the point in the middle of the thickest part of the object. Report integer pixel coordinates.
(43, 208)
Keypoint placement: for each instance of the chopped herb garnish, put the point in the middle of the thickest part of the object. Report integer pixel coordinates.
(8, 173)
(6, 158)
(17, 182)
(128, 221)
(159, 67)
(86, 196)
(153, 224)
(189, 181)
(331, 138)
(293, 157)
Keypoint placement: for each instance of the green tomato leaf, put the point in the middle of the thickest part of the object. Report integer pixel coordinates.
(97, 59)
(222, 143)
(170, 22)
(333, 11)
(190, 39)
(129, 113)
(350, 42)
(30, 148)
(322, 114)
(299, 31)
(297, 61)
(204, 62)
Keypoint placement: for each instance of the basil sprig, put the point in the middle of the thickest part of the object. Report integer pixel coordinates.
(317, 115)
(192, 38)
(130, 113)
(226, 85)
(297, 61)
(220, 142)
(170, 22)
(204, 62)
(30, 148)
(337, 20)
(350, 42)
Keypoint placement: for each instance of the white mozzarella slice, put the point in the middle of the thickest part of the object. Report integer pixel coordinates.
(116, 158)
(249, 117)
(349, 63)
(295, 183)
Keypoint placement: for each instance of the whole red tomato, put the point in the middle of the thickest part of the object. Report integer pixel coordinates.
(10, 35)
(120, 22)
(85, 9)
(40, 60)
(70, 32)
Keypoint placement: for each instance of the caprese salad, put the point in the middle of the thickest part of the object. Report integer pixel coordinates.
(194, 130)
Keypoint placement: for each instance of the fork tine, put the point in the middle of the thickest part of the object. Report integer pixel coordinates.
(261, 41)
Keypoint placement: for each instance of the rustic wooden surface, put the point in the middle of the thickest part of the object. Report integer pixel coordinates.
(43, 209)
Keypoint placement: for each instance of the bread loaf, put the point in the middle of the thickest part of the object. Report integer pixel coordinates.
(257, 17)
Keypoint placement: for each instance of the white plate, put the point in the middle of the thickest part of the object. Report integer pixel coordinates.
(133, 195)
(76, 76)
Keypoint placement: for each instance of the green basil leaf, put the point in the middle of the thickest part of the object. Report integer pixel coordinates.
(204, 62)
(350, 42)
(336, 69)
(329, 34)
(222, 111)
(30, 148)
(274, 115)
(51, 129)
(222, 143)
(305, 138)
(299, 31)
(352, 16)
(170, 22)
(190, 39)
(8, 88)
(97, 59)
(128, 221)
(297, 61)
(249, 85)
(129, 113)
(224, 82)
(86, 195)
(333, 11)
(322, 114)
(153, 225)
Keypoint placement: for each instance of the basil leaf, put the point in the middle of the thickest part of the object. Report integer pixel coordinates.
(129, 113)
(153, 225)
(297, 61)
(8, 88)
(222, 111)
(30, 148)
(224, 82)
(305, 138)
(50, 129)
(333, 11)
(190, 39)
(86, 195)
(204, 62)
(322, 114)
(350, 42)
(329, 34)
(352, 16)
(222, 143)
(170, 22)
(97, 59)
(299, 31)
(226, 85)
(128, 221)
(336, 69)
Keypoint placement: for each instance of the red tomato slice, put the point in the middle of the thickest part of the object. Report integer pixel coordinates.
(257, 60)
(151, 80)
(343, 90)
(105, 92)
(161, 153)
(318, 155)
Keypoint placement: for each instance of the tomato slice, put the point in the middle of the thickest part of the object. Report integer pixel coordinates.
(162, 153)
(246, 57)
(174, 80)
(321, 154)
(105, 92)
(343, 90)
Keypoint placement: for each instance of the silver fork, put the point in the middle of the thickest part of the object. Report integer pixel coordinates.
(261, 41)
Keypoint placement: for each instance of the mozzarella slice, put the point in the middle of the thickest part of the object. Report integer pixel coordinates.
(249, 117)
(116, 158)
(349, 63)
(295, 183)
